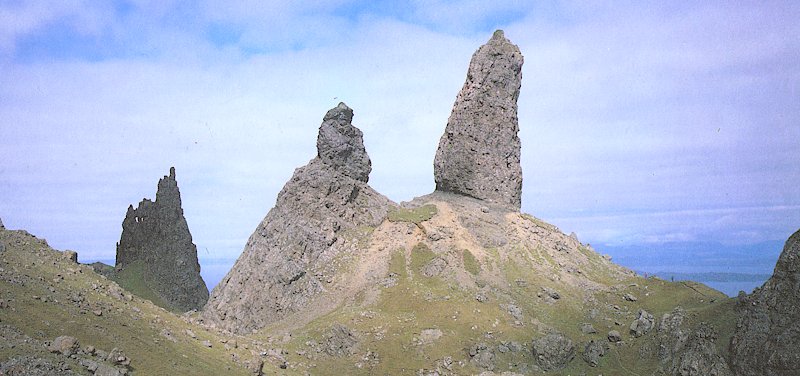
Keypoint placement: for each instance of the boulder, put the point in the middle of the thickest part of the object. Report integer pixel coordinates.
(643, 323)
(434, 267)
(553, 351)
(482, 356)
(614, 336)
(593, 351)
(340, 341)
(66, 345)
(479, 152)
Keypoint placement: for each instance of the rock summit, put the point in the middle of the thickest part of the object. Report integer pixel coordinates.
(479, 152)
(287, 260)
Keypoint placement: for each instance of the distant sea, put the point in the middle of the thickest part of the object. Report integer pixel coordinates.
(727, 268)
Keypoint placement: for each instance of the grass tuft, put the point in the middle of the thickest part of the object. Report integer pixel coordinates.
(416, 215)
(471, 264)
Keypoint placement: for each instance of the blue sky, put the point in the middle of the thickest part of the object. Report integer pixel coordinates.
(643, 124)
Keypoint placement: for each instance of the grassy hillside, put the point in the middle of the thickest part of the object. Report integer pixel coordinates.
(46, 295)
(446, 287)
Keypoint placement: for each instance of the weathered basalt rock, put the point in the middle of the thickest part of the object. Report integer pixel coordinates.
(686, 351)
(593, 351)
(156, 243)
(553, 351)
(283, 265)
(341, 145)
(767, 336)
(479, 152)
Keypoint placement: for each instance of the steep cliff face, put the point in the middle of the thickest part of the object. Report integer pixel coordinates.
(479, 152)
(767, 336)
(156, 248)
(286, 261)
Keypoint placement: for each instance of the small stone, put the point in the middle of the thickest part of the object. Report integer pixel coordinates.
(552, 294)
(630, 298)
(587, 328)
(207, 343)
(190, 333)
(97, 312)
(614, 336)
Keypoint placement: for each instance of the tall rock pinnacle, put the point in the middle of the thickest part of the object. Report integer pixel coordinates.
(479, 152)
(156, 246)
(287, 260)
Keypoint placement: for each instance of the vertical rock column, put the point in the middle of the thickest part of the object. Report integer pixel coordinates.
(479, 153)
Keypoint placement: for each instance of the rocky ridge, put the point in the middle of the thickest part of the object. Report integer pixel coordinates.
(338, 279)
(767, 334)
(283, 265)
(156, 247)
(479, 152)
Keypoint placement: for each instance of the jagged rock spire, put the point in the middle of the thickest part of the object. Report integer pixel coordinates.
(156, 241)
(479, 152)
(341, 145)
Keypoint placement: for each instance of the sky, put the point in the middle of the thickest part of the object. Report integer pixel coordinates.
(647, 128)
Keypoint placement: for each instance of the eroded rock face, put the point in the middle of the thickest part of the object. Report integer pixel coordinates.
(341, 145)
(767, 337)
(156, 240)
(283, 265)
(479, 152)
(687, 351)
